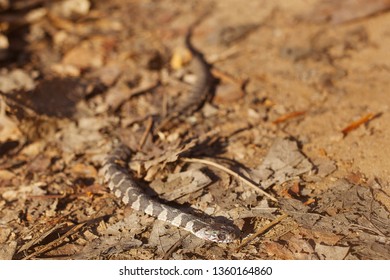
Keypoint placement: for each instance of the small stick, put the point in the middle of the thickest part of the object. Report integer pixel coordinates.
(288, 116)
(55, 242)
(146, 133)
(28, 245)
(262, 230)
(358, 123)
(232, 173)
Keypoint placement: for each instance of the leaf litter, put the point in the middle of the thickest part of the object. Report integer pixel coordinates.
(92, 77)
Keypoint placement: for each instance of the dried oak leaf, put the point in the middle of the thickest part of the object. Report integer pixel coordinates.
(283, 162)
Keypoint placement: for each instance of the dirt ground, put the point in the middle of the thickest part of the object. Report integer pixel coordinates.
(299, 109)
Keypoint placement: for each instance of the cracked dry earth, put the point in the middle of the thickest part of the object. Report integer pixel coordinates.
(299, 110)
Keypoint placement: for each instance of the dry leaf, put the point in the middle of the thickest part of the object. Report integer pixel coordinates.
(331, 252)
(283, 162)
(185, 183)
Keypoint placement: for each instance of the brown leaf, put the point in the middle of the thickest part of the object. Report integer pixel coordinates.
(331, 252)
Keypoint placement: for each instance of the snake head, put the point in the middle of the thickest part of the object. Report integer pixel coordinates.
(219, 233)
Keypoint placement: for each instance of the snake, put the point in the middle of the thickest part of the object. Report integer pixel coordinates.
(124, 186)
(199, 91)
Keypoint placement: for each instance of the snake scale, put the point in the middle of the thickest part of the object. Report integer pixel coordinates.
(125, 187)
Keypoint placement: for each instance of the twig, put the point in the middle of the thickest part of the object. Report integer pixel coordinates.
(55, 242)
(288, 116)
(28, 245)
(232, 173)
(146, 133)
(262, 230)
(363, 120)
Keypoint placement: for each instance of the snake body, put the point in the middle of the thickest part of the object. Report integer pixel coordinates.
(200, 90)
(125, 187)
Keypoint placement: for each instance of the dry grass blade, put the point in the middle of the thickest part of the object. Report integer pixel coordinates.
(232, 173)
